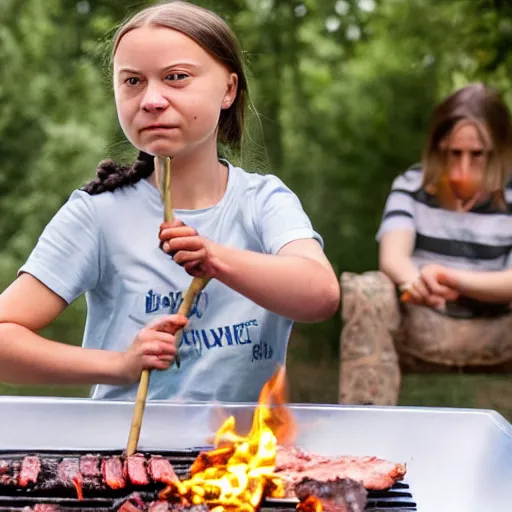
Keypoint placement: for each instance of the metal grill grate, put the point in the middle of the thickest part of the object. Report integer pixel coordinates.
(14, 498)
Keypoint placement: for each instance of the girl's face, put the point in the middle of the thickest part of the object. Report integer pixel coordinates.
(169, 92)
(467, 152)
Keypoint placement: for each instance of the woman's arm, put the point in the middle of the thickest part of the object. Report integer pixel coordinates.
(484, 286)
(298, 283)
(395, 250)
(27, 358)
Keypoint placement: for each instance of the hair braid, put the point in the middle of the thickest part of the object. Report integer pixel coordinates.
(111, 175)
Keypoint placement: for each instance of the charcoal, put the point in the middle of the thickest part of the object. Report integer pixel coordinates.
(10, 472)
(337, 495)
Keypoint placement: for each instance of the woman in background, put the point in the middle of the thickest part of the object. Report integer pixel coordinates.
(446, 224)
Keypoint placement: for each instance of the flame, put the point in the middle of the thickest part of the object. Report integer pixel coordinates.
(310, 504)
(239, 472)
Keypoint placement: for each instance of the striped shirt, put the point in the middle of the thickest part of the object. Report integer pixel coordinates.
(480, 239)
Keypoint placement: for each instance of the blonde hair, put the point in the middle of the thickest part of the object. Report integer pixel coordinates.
(483, 107)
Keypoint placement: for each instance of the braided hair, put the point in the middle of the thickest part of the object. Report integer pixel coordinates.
(111, 175)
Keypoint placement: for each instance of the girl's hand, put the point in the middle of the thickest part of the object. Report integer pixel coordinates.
(187, 248)
(431, 288)
(153, 348)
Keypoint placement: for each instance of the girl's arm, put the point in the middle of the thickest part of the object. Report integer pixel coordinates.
(298, 283)
(27, 358)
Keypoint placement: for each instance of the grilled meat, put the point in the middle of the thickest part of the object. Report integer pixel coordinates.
(294, 464)
(338, 495)
(112, 470)
(135, 469)
(89, 473)
(161, 470)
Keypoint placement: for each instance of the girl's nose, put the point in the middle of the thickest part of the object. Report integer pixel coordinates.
(154, 100)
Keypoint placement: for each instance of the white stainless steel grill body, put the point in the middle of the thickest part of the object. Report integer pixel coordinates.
(458, 460)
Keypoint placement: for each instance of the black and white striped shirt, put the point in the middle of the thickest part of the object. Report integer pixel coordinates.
(480, 239)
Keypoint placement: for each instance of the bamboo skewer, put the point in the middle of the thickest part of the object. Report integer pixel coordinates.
(163, 173)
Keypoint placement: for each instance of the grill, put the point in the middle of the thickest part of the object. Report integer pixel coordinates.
(457, 459)
(13, 498)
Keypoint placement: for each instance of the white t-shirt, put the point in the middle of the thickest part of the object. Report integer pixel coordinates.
(107, 247)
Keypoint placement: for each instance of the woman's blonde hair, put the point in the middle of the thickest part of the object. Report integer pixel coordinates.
(484, 107)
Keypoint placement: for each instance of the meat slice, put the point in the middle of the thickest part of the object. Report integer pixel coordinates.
(129, 507)
(372, 472)
(67, 471)
(339, 495)
(29, 471)
(90, 466)
(43, 507)
(159, 506)
(112, 470)
(135, 469)
(161, 470)
(4, 466)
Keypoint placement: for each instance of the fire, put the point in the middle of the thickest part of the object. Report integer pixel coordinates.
(239, 472)
(310, 504)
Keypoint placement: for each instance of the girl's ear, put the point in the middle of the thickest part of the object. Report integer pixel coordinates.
(231, 90)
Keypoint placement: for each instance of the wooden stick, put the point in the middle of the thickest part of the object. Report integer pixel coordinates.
(162, 166)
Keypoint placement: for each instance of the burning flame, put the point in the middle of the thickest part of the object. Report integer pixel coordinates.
(310, 504)
(239, 472)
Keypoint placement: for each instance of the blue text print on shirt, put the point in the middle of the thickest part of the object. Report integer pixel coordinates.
(199, 340)
(155, 302)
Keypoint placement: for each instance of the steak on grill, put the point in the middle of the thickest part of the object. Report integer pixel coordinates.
(135, 469)
(161, 470)
(293, 464)
(90, 473)
(338, 495)
(30, 467)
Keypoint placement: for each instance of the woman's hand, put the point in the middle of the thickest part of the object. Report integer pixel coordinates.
(153, 348)
(431, 287)
(187, 248)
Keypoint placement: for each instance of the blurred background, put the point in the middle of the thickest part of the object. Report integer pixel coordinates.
(343, 92)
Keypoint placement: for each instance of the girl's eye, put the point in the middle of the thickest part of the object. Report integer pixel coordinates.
(133, 80)
(173, 77)
(477, 153)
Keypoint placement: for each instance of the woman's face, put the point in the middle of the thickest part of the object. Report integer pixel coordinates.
(467, 152)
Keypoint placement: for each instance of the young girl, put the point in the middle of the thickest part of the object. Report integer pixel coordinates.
(180, 88)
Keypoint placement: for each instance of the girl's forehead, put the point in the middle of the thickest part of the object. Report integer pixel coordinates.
(153, 46)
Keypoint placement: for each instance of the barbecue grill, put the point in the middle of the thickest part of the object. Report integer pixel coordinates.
(457, 459)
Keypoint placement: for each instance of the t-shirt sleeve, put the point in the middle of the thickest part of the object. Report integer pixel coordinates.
(400, 205)
(279, 216)
(66, 256)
